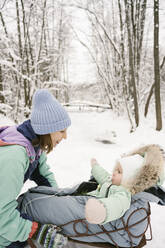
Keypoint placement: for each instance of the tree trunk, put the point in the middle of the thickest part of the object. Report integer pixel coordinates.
(19, 29)
(148, 100)
(1, 86)
(152, 91)
(26, 82)
(157, 66)
(42, 31)
(131, 65)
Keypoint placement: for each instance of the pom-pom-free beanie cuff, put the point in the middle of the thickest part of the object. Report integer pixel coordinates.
(51, 128)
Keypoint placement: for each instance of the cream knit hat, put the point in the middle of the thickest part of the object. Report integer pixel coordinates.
(131, 165)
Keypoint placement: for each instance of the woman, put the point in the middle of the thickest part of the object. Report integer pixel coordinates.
(113, 210)
(23, 151)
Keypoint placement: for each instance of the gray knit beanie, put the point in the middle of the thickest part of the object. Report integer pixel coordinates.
(48, 115)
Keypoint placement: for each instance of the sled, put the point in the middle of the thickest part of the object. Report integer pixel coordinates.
(72, 243)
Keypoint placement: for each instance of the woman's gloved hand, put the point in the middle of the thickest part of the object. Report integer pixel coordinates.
(49, 236)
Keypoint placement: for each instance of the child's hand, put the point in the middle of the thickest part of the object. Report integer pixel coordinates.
(93, 162)
(95, 211)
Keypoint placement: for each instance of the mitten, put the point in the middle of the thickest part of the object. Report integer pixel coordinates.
(95, 211)
(49, 236)
(86, 187)
(93, 162)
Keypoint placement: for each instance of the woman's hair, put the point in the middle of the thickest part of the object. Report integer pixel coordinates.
(44, 141)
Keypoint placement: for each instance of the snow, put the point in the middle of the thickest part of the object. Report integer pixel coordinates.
(70, 160)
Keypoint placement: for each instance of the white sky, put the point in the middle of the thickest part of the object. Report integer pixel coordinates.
(80, 62)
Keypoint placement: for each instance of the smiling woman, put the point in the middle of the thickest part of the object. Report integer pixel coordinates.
(23, 150)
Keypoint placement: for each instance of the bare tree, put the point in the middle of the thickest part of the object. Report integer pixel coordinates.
(157, 66)
(132, 80)
(8, 66)
(123, 62)
(37, 53)
(1, 87)
(152, 91)
(117, 57)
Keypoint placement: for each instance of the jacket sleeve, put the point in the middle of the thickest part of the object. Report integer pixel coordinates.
(116, 204)
(13, 163)
(44, 170)
(100, 174)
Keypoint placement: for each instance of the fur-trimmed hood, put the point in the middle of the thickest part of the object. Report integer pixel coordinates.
(152, 171)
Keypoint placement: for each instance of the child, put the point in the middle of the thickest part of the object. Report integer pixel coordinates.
(119, 194)
(132, 174)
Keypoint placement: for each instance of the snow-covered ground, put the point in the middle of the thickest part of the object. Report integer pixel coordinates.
(70, 160)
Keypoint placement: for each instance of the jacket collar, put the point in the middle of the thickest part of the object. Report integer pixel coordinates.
(26, 129)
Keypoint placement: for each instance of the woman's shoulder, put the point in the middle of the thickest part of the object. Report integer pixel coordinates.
(15, 159)
(13, 151)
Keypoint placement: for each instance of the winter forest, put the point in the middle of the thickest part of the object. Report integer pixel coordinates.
(104, 60)
(118, 43)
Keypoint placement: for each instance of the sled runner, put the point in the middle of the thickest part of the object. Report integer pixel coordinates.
(78, 244)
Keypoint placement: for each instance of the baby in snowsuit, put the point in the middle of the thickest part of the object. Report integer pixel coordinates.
(132, 173)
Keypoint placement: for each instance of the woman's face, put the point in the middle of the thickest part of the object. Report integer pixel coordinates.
(117, 174)
(56, 137)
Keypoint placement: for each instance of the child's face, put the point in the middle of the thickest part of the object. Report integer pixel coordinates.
(117, 174)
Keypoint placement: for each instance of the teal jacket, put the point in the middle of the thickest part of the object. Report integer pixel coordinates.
(14, 163)
(116, 199)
